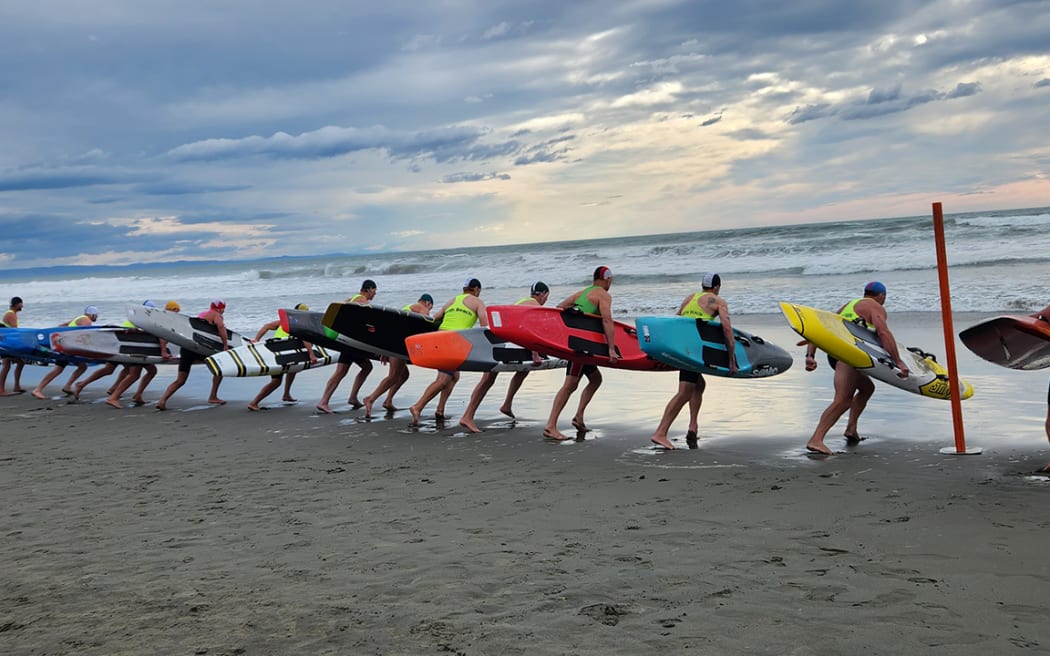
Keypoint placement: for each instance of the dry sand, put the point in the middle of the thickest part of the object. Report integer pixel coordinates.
(214, 530)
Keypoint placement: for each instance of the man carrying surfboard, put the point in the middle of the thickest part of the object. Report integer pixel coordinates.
(852, 388)
(289, 378)
(397, 371)
(10, 320)
(538, 295)
(213, 315)
(590, 300)
(350, 357)
(89, 317)
(706, 305)
(461, 312)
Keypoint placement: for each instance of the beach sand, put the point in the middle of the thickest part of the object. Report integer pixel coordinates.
(214, 530)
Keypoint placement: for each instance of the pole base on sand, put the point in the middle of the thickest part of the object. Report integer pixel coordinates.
(970, 451)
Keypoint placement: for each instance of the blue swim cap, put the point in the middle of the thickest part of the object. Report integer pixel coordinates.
(426, 298)
(875, 287)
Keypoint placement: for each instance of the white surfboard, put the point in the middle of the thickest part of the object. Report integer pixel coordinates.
(272, 357)
(114, 344)
(190, 333)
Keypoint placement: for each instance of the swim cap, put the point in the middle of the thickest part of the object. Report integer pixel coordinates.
(15, 300)
(875, 287)
(218, 304)
(302, 306)
(91, 311)
(367, 285)
(539, 287)
(711, 280)
(149, 303)
(472, 283)
(426, 298)
(602, 273)
(172, 306)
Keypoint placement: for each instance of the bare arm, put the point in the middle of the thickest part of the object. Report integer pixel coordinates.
(569, 302)
(727, 332)
(605, 309)
(265, 329)
(1043, 315)
(479, 307)
(882, 331)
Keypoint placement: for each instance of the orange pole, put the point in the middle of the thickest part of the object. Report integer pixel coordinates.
(949, 331)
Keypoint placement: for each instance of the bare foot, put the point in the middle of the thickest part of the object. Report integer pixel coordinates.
(137, 400)
(114, 403)
(39, 395)
(253, 407)
(77, 389)
(505, 409)
(355, 404)
(415, 415)
(324, 409)
(554, 434)
(469, 425)
(579, 425)
(818, 447)
(287, 398)
(662, 442)
(161, 405)
(368, 407)
(216, 401)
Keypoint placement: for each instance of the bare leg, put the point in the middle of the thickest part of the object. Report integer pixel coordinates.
(359, 380)
(674, 406)
(81, 368)
(151, 373)
(401, 380)
(101, 372)
(270, 386)
(131, 375)
(38, 391)
(865, 388)
(476, 397)
(19, 365)
(594, 381)
(512, 389)
(445, 394)
(214, 398)
(845, 385)
(288, 380)
(341, 369)
(392, 375)
(429, 393)
(179, 381)
(560, 399)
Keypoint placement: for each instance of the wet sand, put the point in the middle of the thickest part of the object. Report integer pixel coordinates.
(214, 530)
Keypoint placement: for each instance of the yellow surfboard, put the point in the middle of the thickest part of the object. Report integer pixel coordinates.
(858, 346)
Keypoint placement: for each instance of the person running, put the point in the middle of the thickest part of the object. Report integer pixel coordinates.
(538, 295)
(109, 367)
(350, 357)
(590, 300)
(459, 313)
(705, 305)
(397, 374)
(10, 320)
(187, 358)
(289, 378)
(134, 372)
(852, 388)
(88, 318)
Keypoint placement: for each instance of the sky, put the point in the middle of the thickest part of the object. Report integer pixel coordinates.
(152, 130)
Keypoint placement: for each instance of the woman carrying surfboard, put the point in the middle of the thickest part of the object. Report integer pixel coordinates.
(852, 388)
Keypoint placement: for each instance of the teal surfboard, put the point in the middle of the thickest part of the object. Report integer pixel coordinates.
(698, 345)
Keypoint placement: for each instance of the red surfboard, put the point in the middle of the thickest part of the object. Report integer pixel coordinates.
(1016, 342)
(569, 334)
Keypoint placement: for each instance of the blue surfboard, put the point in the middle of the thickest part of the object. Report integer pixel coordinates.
(34, 345)
(698, 345)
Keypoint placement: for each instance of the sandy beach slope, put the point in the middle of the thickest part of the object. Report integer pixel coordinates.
(214, 530)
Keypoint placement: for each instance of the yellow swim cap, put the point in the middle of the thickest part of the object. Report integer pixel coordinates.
(172, 306)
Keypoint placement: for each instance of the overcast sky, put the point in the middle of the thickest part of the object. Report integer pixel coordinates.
(150, 130)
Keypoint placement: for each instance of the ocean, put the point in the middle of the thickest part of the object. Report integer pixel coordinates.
(999, 262)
